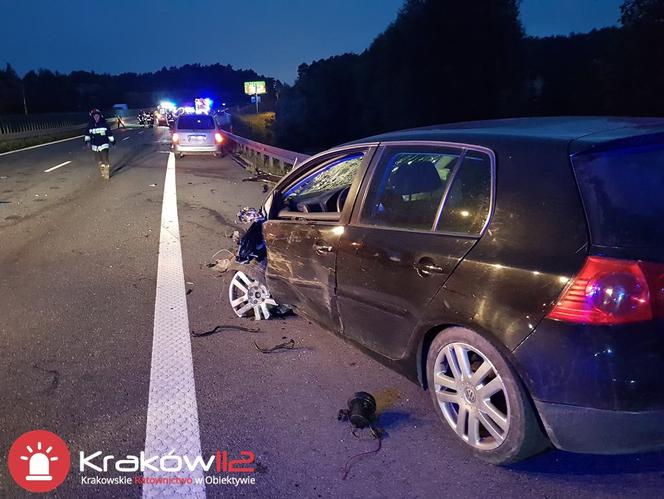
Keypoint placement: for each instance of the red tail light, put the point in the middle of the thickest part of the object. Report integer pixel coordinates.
(176, 137)
(219, 138)
(611, 291)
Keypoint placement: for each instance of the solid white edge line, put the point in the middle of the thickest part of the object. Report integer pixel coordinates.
(57, 166)
(172, 416)
(40, 145)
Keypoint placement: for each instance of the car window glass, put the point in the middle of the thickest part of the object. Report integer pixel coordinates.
(325, 189)
(468, 201)
(196, 122)
(408, 186)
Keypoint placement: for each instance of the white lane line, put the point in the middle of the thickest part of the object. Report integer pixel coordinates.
(57, 166)
(172, 423)
(40, 145)
(140, 132)
(126, 138)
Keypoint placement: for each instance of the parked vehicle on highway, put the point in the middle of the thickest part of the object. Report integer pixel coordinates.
(196, 134)
(515, 268)
(162, 118)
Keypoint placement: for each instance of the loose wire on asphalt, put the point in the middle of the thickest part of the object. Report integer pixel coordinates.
(224, 327)
(287, 345)
(377, 435)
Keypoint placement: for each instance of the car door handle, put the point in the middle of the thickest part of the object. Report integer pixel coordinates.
(427, 267)
(322, 248)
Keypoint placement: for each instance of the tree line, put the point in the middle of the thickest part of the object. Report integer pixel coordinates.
(442, 61)
(46, 91)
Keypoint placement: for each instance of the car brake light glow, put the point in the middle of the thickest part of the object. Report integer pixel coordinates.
(219, 138)
(176, 137)
(611, 291)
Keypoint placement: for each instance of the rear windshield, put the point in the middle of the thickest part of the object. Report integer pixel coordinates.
(623, 194)
(196, 122)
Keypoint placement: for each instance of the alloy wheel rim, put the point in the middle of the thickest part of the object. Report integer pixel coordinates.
(472, 396)
(248, 296)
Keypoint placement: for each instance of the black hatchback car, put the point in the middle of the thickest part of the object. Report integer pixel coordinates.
(515, 268)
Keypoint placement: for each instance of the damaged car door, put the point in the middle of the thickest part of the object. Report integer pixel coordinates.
(425, 207)
(303, 232)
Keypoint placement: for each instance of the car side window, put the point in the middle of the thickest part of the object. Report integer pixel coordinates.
(468, 202)
(326, 188)
(407, 187)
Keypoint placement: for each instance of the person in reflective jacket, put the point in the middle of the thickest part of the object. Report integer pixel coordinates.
(100, 137)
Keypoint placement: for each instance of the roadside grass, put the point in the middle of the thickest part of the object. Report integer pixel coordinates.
(256, 127)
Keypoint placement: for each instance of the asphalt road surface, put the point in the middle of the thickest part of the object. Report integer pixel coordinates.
(79, 260)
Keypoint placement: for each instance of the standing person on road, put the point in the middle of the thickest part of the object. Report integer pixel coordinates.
(119, 122)
(100, 137)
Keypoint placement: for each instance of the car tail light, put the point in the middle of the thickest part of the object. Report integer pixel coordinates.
(176, 137)
(612, 291)
(219, 138)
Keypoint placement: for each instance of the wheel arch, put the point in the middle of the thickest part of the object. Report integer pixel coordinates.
(430, 334)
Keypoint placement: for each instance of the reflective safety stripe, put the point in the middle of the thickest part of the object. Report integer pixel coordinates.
(101, 147)
(98, 131)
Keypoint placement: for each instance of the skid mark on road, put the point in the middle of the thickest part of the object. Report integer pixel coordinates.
(172, 423)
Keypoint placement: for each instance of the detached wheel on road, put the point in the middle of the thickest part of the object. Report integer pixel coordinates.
(480, 398)
(249, 296)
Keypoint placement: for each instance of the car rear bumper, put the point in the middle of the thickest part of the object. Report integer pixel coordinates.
(598, 389)
(202, 149)
(599, 431)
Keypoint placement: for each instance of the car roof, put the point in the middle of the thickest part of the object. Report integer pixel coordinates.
(592, 129)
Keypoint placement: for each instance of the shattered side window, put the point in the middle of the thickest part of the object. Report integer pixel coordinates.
(335, 176)
(408, 186)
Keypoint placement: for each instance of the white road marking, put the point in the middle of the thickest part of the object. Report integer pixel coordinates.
(126, 138)
(140, 132)
(40, 145)
(165, 152)
(57, 166)
(172, 422)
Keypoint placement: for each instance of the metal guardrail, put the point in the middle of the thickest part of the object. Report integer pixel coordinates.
(20, 127)
(265, 158)
(35, 125)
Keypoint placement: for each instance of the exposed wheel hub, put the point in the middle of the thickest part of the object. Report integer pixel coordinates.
(248, 295)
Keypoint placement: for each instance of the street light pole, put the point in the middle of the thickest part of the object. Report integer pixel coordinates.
(25, 104)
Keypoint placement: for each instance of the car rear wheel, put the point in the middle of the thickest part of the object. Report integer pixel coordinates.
(480, 398)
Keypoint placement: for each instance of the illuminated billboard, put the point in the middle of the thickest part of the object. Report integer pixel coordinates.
(254, 87)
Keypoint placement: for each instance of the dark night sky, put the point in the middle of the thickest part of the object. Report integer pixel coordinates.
(270, 36)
